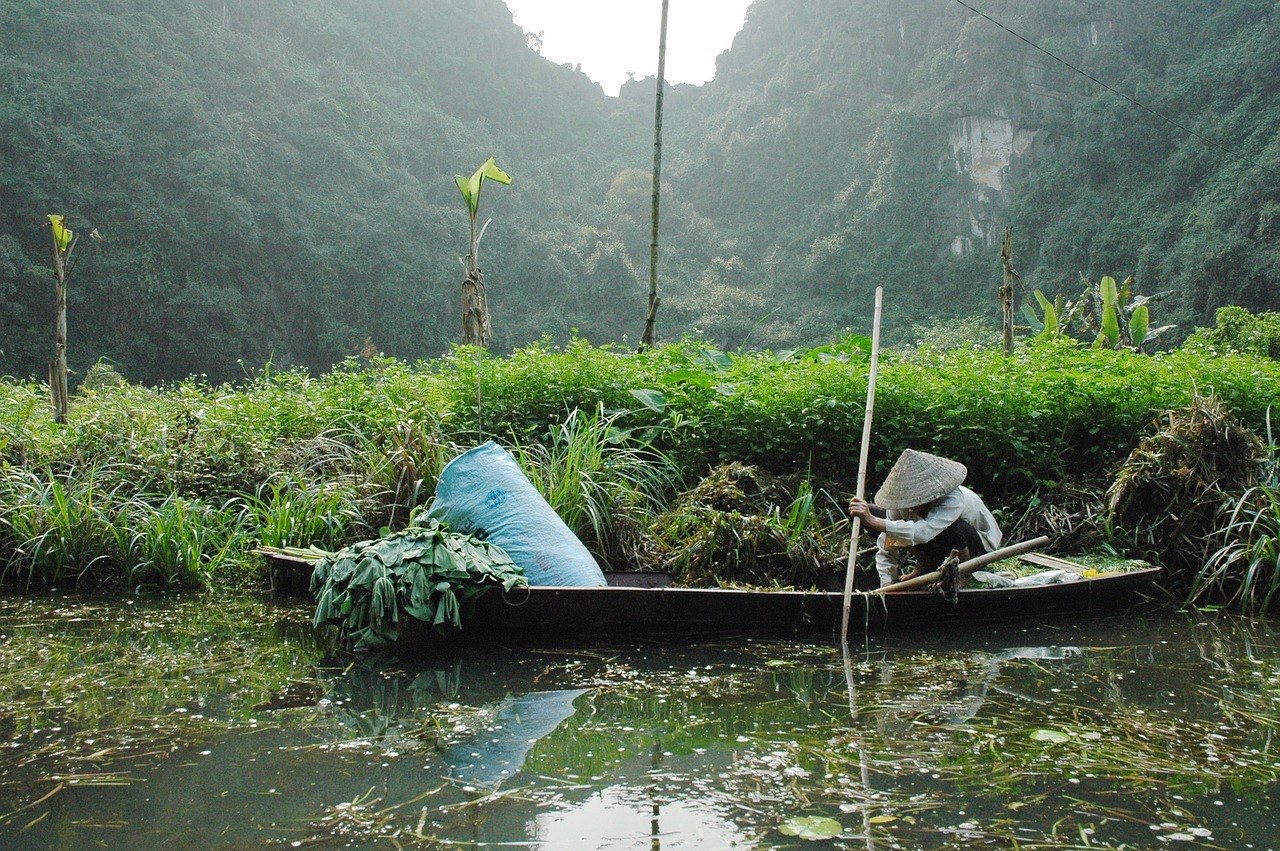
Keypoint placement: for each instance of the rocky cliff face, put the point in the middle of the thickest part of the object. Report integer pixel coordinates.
(995, 103)
(1008, 97)
(989, 154)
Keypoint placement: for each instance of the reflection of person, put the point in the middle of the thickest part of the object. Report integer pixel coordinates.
(923, 508)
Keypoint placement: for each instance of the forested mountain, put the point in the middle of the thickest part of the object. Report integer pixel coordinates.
(274, 178)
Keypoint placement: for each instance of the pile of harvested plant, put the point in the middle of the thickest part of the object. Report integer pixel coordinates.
(741, 526)
(1178, 487)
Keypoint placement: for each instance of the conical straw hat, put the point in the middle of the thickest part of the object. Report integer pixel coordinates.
(919, 478)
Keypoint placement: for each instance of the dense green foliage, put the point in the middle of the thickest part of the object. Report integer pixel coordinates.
(174, 486)
(274, 181)
(1238, 330)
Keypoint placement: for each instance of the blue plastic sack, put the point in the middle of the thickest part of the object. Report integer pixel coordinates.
(483, 492)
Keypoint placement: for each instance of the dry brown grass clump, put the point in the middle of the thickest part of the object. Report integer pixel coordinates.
(1072, 517)
(1175, 490)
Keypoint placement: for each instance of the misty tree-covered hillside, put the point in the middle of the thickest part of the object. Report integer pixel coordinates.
(273, 179)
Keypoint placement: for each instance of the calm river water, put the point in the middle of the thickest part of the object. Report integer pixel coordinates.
(199, 724)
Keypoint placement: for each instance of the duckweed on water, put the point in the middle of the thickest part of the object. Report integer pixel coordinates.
(85, 685)
(1114, 735)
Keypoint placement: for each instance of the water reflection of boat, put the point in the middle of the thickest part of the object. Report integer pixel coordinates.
(949, 690)
(637, 605)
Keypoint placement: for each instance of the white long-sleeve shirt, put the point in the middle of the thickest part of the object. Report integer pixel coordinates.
(905, 528)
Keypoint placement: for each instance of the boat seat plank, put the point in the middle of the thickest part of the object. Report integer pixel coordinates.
(1052, 562)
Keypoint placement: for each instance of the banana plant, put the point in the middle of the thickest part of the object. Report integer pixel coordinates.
(476, 327)
(470, 188)
(1059, 315)
(1047, 325)
(1108, 312)
(1124, 320)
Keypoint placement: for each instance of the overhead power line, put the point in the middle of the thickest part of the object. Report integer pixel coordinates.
(1173, 122)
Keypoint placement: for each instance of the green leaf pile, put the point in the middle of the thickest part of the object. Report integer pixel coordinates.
(423, 572)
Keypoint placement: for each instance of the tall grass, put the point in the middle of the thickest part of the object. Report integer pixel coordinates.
(180, 542)
(597, 476)
(285, 512)
(1246, 568)
(398, 461)
(58, 531)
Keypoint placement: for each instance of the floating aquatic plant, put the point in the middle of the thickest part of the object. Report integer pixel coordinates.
(811, 827)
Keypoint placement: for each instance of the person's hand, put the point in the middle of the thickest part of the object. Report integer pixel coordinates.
(861, 509)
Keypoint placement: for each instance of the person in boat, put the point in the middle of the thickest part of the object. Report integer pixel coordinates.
(924, 509)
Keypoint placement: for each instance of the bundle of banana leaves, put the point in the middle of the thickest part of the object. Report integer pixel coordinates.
(423, 572)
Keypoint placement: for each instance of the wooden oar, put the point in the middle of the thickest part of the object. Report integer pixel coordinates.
(856, 532)
(967, 567)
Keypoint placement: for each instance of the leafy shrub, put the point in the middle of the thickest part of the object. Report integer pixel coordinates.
(1238, 330)
(361, 446)
(966, 332)
(100, 376)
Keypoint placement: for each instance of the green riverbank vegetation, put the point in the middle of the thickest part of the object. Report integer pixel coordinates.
(721, 467)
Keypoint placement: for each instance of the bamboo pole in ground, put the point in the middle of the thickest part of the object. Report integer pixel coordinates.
(649, 337)
(967, 567)
(856, 532)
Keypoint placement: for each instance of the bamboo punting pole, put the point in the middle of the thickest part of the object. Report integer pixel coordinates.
(967, 567)
(856, 532)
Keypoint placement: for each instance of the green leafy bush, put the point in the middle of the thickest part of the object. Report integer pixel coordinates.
(1238, 330)
(327, 459)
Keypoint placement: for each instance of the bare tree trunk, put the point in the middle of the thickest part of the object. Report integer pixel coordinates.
(58, 367)
(650, 336)
(1006, 289)
(477, 330)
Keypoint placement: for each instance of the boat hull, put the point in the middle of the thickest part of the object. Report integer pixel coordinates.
(638, 605)
(614, 611)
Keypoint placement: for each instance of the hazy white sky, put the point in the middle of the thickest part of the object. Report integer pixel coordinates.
(612, 37)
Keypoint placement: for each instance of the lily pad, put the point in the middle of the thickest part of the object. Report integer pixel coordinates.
(811, 827)
(1056, 737)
